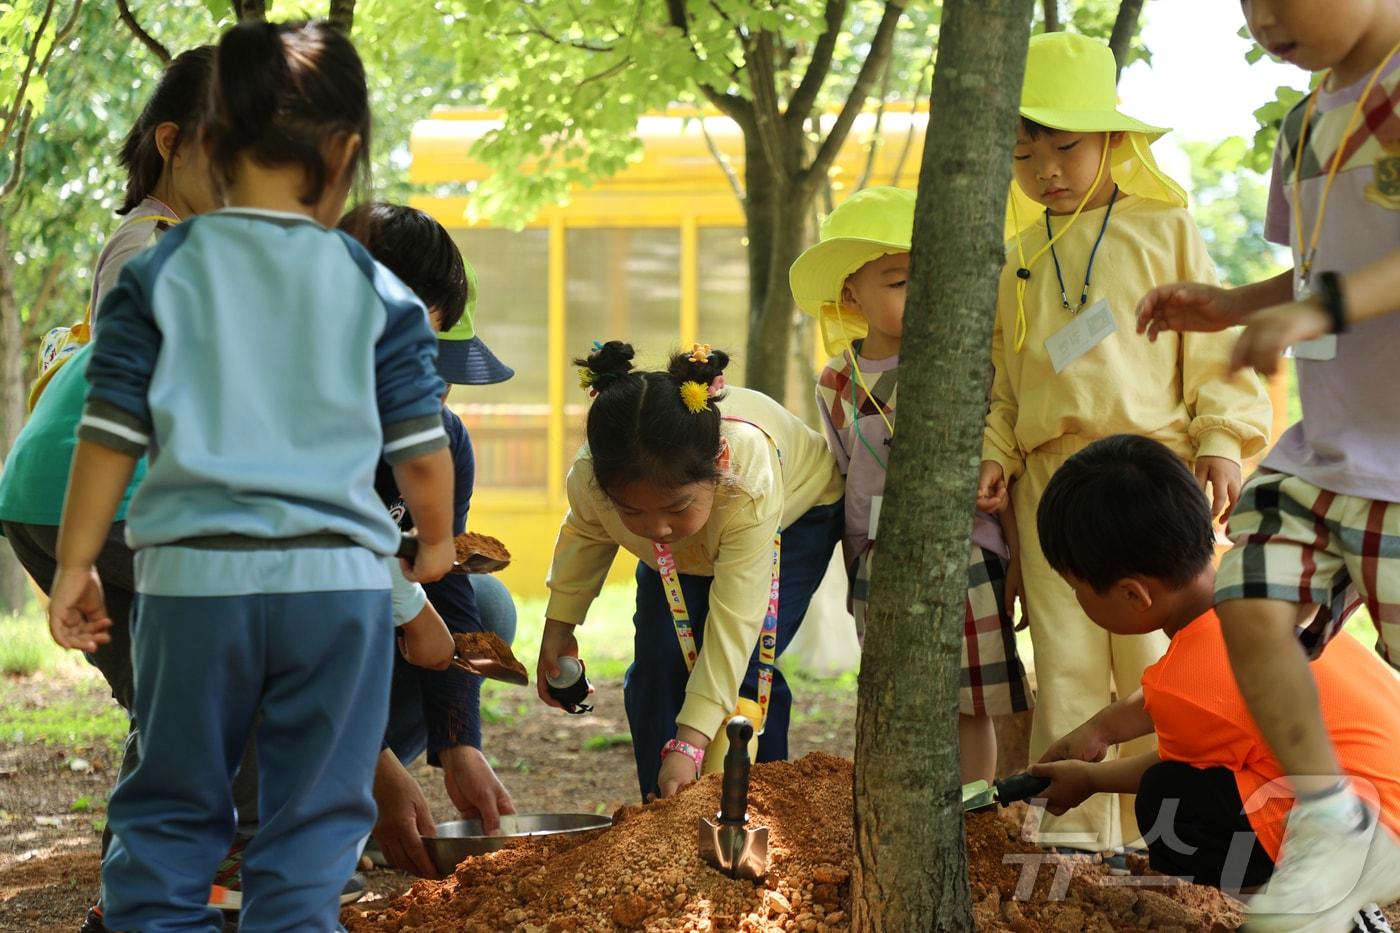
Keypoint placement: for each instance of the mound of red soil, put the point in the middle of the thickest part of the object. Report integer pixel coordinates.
(645, 873)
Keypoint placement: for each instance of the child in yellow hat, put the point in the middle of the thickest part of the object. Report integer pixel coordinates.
(853, 281)
(1094, 225)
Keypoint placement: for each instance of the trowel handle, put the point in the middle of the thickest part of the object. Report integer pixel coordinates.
(408, 548)
(734, 797)
(1021, 786)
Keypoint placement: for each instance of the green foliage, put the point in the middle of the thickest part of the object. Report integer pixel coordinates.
(598, 743)
(25, 645)
(82, 720)
(1230, 202)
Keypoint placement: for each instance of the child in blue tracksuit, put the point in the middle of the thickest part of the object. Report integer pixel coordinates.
(266, 363)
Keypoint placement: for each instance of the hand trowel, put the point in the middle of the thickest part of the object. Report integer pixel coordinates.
(730, 844)
(979, 795)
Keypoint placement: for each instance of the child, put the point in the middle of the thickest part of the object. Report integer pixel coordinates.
(1099, 224)
(1125, 524)
(269, 362)
(437, 712)
(853, 282)
(1315, 523)
(699, 498)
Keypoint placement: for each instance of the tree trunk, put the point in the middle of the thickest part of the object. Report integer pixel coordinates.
(250, 9)
(1125, 26)
(12, 585)
(342, 15)
(911, 870)
(1052, 16)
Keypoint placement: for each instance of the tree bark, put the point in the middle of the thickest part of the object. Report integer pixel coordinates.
(342, 15)
(911, 871)
(12, 586)
(1125, 26)
(1052, 16)
(250, 9)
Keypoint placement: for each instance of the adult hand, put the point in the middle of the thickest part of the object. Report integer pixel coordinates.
(404, 818)
(1071, 783)
(1016, 589)
(991, 487)
(558, 640)
(1220, 478)
(1272, 330)
(1085, 743)
(77, 613)
(475, 790)
(433, 561)
(1183, 306)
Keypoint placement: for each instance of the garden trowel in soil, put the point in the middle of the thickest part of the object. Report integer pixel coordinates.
(730, 844)
(979, 795)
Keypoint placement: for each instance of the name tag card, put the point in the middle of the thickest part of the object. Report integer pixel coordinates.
(875, 502)
(1087, 330)
(1322, 348)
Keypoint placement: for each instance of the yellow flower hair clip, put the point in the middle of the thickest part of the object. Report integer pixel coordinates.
(699, 352)
(586, 377)
(696, 396)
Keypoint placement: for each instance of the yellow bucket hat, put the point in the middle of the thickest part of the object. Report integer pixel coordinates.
(871, 223)
(1071, 85)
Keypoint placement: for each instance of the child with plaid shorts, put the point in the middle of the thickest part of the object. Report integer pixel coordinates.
(1317, 530)
(853, 281)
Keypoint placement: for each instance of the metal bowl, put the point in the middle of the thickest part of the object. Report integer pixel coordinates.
(458, 839)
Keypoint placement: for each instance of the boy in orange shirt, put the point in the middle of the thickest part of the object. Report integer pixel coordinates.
(1126, 525)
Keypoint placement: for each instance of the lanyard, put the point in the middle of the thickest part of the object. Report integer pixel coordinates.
(685, 631)
(855, 407)
(1309, 252)
(680, 615)
(1093, 253)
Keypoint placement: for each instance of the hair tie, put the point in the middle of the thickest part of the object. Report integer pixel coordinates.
(716, 386)
(597, 345)
(699, 352)
(586, 377)
(695, 395)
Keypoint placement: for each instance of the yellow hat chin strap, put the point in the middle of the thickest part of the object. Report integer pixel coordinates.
(839, 326)
(1023, 274)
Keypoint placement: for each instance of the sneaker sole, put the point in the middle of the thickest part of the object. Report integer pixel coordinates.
(231, 901)
(1380, 884)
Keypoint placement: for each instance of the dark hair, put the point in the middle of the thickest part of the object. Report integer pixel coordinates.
(1125, 506)
(639, 426)
(281, 93)
(180, 97)
(1036, 130)
(417, 249)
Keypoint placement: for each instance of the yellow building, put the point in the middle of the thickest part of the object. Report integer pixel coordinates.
(654, 255)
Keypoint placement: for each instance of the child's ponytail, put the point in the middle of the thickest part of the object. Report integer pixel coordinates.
(660, 427)
(282, 93)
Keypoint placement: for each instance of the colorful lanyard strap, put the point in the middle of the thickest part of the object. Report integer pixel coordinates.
(680, 615)
(1307, 252)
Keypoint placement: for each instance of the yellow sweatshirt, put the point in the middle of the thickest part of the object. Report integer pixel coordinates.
(735, 546)
(1176, 390)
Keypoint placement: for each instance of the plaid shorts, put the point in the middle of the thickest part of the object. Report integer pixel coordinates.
(993, 679)
(1296, 542)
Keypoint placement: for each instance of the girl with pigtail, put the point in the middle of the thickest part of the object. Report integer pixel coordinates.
(719, 494)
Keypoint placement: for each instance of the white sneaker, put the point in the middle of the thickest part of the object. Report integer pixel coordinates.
(1329, 871)
(1369, 919)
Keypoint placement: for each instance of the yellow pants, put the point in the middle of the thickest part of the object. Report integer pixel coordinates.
(1078, 666)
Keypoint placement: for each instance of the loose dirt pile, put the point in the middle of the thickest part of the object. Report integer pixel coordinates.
(487, 646)
(477, 553)
(645, 874)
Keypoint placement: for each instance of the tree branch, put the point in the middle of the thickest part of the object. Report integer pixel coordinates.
(161, 53)
(731, 105)
(17, 164)
(46, 288)
(250, 9)
(875, 136)
(14, 113)
(875, 60)
(924, 76)
(342, 15)
(1052, 16)
(758, 55)
(802, 100)
(722, 160)
(1125, 26)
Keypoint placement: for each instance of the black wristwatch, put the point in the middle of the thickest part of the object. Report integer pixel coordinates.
(1328, 292)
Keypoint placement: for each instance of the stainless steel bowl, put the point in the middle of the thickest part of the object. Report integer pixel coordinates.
(459, 839)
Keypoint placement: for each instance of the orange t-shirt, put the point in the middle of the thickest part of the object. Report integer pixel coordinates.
(1201, 719)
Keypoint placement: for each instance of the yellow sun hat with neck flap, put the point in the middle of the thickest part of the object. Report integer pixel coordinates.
(871, 223)
(1071, 84)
